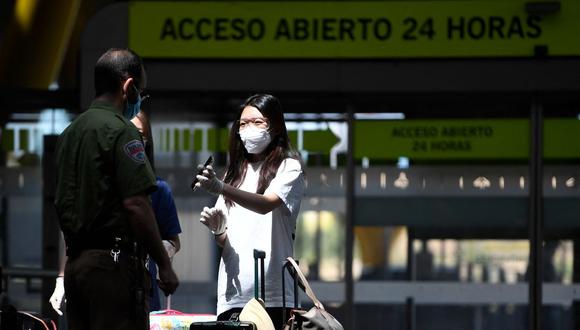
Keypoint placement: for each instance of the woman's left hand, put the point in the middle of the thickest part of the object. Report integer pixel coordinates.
(215, 220)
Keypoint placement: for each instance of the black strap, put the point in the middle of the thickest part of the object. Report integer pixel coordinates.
(288, 265)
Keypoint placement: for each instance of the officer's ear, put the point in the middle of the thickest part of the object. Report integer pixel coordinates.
(128, 88)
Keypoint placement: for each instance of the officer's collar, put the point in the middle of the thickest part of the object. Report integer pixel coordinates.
(105, 105)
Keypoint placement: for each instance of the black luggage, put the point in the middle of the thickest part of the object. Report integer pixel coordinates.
(231, 324)
(33, 321)
(234, 323)
(11, 319)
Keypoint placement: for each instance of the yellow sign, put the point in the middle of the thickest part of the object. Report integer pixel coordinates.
(356, 29)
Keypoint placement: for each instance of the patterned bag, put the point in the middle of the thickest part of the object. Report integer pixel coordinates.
(317, 317)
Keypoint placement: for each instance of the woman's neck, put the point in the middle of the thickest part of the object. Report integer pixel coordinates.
(253, 158)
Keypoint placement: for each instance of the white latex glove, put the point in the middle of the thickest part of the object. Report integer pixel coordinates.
(214, 219)
(209, 181)
(58, 295)
(169, 248)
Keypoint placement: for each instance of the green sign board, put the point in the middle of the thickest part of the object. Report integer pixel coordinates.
(561, 139)
(492, 139)
(442, 139)
(320, 141)
(349, 29)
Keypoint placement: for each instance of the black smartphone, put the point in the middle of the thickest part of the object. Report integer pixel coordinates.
(209, 161)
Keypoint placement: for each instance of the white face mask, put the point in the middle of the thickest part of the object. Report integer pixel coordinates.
(255, 139)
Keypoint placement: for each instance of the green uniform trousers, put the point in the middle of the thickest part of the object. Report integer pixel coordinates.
(104, 294)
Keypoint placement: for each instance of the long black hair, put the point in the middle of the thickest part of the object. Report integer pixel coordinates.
(278, 149)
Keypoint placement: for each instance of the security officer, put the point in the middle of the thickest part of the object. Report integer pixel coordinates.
(103, 183)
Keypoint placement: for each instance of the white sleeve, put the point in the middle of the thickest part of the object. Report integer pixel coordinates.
(221, 204)
(288, 184)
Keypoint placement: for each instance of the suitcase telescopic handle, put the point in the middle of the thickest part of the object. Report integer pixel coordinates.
(259, 254)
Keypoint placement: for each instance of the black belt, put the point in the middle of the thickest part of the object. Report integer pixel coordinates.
(129, 247)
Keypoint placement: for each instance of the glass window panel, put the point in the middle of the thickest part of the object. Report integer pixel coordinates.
(442, 211)
(561, 198)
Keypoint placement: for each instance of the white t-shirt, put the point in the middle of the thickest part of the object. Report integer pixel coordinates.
(272, 232)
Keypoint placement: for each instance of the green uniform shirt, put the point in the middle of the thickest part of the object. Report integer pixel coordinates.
(100, 160)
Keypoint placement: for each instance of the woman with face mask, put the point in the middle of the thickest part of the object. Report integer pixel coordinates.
(259, 200)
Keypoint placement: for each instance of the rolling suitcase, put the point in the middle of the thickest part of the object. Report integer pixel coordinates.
(11, 319)
(234, 323)
(33, 321)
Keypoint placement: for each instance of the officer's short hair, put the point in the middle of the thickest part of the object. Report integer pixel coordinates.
(114, 67)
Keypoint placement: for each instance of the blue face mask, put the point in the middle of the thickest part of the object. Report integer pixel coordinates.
(132, 109)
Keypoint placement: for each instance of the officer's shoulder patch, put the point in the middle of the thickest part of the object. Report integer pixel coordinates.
(135, 150)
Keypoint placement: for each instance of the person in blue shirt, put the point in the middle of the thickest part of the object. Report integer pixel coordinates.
(169, 228)
(163, 207)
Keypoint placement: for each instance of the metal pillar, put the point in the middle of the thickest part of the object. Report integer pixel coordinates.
(576, 278)
(349, 321)
(50, 228)
(536, 229)
(411, 323)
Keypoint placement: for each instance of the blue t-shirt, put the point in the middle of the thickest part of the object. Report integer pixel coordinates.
(168, 223)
